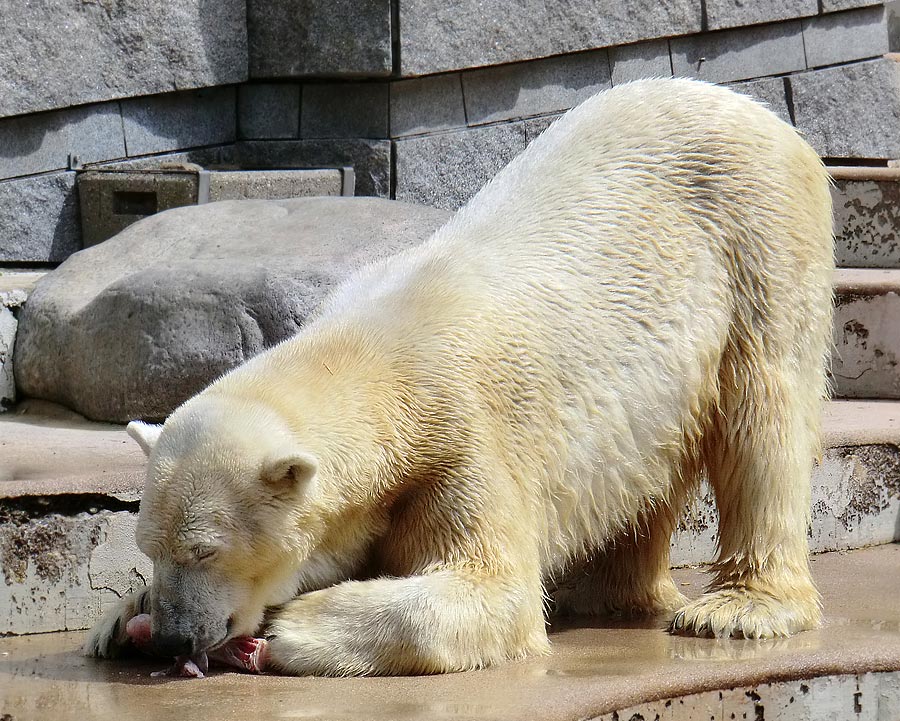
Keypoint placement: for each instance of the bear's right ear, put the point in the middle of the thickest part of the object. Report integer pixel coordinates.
(146, 434)
(289, 472)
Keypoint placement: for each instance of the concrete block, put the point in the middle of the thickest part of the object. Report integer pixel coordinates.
(273, 184)
(39, 220)
(370, 159)
(8, 326)
(842, 37)
(308, 38)
(722, 14)
(740, 54)
(179, 120)
(111, 201)
(437, 36)
(41, 143)
(267, 112)
(61, 54)
(446, 170)
(424, 105)
(850, 111)
(346, 110)
(867, 219)
(640, 60)
(536, 126)
(769, 91)
(534, 88)
(866, 358)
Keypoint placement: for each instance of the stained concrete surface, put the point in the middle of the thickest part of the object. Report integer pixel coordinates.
(596, 667)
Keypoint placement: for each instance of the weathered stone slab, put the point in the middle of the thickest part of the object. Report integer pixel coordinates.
(436, 36)
(538, 87)
(422, 105)
(640, 60)
(134, 326)
(39, 219)
(866, 217)
(345, 110)
(769, 91)
(843, 37)
(179, 120)
(59, 54)
(45, 142)
(866, 358)
(447, 169)
(269, 111)
(722, 14)
(316, 38)
(850, 111)
(740, 54)
(370, 159)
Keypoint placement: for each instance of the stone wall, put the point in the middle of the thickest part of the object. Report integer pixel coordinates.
(424, 101)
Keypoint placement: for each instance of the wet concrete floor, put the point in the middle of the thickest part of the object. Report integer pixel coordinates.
(596, 667)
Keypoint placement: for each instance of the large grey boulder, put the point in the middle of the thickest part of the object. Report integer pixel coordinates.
(134, 326)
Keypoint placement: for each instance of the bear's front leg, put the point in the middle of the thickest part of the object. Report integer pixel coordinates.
(443, 621)
(109, 636)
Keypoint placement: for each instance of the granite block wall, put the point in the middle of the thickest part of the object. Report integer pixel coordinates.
(426, 100)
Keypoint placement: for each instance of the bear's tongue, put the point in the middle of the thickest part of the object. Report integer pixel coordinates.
(194, 666)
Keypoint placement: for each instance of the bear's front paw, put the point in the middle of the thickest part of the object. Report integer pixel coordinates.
(746, 613)
(110, 635)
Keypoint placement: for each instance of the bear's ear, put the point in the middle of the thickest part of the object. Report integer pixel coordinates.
(146, 434)
(289, 472)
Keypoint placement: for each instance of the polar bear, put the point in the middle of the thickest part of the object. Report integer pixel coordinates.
(521, 406)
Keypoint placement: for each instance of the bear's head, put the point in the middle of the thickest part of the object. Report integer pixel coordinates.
(227, 517)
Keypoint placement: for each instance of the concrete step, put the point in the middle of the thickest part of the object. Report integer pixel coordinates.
(866, 355)
(866, 216)
(609, 670)
(855, 488)
(69, 493)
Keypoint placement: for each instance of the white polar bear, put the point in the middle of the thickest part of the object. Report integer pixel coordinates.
(643, 295)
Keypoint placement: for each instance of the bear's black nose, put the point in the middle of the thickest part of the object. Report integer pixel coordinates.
(173, 645)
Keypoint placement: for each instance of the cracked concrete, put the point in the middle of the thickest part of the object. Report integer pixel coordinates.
(61, 571)
(866, 356)
(855, 503)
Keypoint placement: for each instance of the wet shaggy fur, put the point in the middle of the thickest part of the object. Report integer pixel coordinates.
(641, 296)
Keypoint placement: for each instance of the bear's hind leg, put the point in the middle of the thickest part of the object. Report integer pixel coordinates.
(759, 456)
(630, 577)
